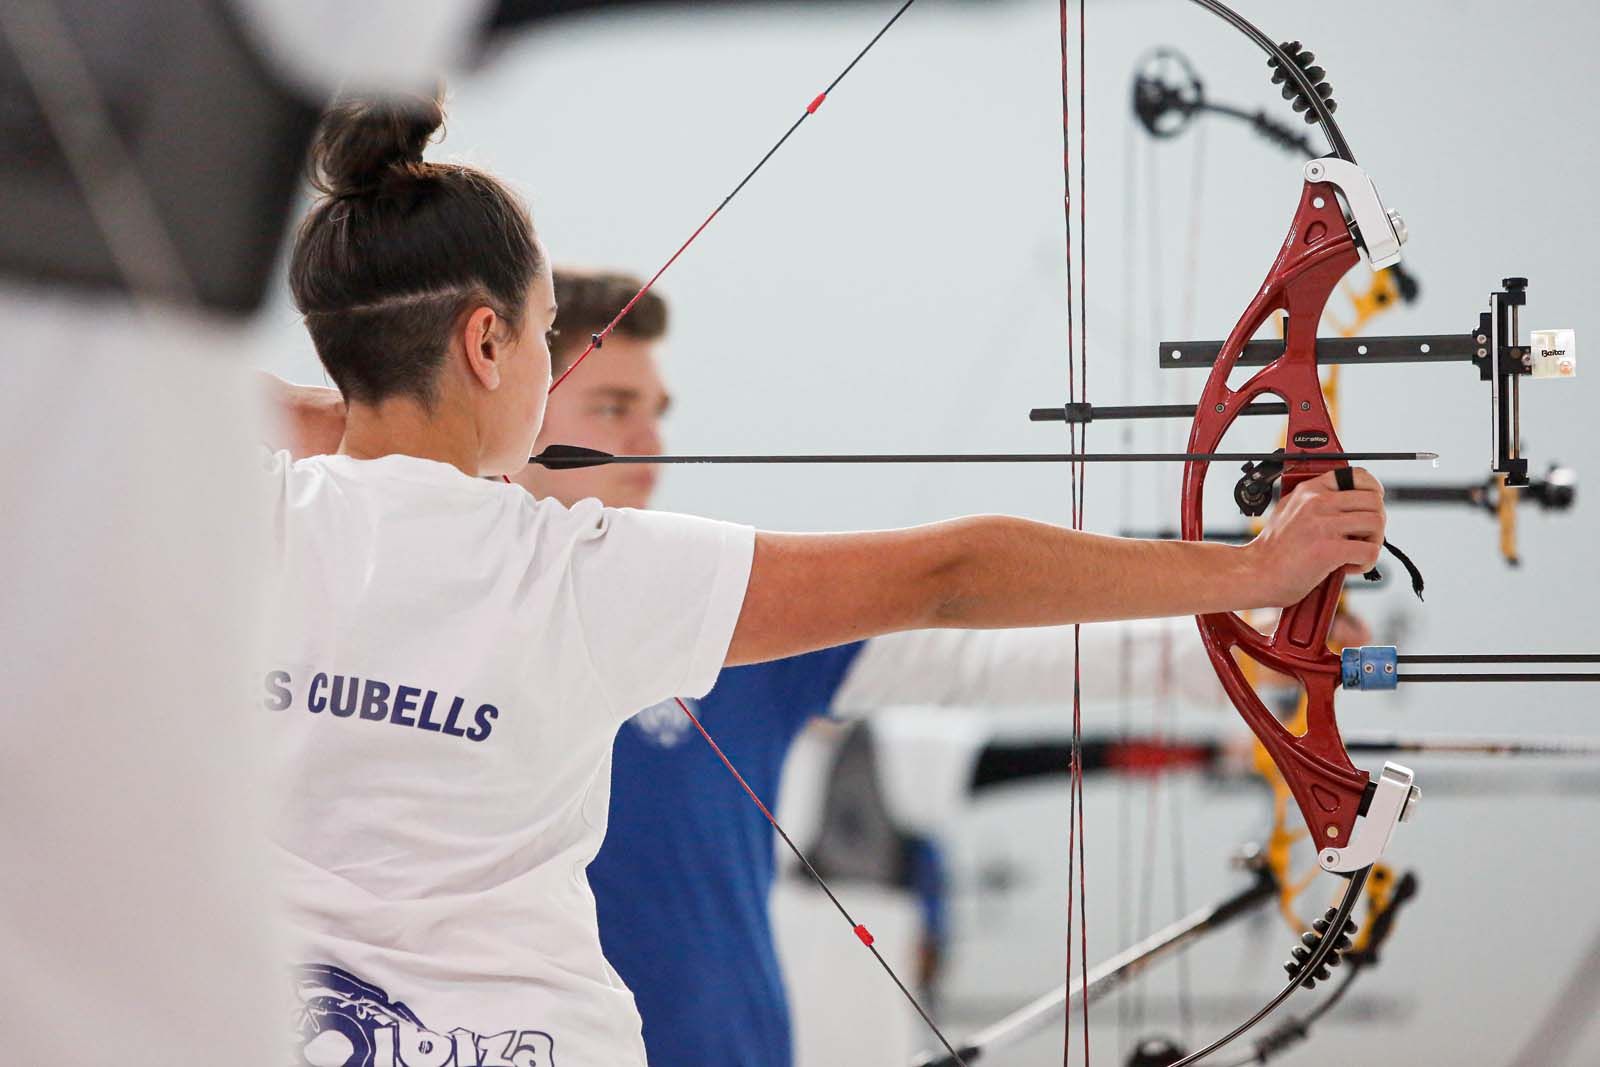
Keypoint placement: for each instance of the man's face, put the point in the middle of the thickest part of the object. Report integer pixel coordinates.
(614, 402)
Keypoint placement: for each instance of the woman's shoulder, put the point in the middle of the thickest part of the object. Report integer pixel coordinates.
(548, 520)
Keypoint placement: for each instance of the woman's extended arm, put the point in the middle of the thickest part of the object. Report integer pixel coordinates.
(810, 591)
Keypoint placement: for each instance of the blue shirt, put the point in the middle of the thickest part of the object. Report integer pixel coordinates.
(682, 880)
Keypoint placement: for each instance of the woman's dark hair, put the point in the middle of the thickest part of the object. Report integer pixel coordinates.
(396, 250)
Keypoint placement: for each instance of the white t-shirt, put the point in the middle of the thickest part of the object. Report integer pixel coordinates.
(450, 661)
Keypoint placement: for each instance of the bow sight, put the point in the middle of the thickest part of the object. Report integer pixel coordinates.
(1494, 347)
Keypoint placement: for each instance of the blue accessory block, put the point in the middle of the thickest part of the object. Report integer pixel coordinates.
(1369, 667)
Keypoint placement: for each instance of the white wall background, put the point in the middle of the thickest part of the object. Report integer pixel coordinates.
(894, 280)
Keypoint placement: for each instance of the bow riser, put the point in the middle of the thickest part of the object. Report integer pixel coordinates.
(1317, 253)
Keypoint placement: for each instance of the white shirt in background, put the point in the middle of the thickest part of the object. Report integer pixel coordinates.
(1148, 659)
(449, 662)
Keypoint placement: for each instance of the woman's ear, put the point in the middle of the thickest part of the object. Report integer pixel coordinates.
(479, 346)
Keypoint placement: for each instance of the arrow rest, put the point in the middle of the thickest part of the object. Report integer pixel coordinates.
(1255, 491)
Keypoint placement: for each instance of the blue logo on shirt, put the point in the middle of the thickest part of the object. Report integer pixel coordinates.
(664, 724)
(344, 1021)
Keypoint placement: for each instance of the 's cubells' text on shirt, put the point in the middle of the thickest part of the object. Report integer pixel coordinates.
(344, 696)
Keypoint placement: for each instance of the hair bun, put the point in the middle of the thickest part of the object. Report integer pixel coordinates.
(360, 142)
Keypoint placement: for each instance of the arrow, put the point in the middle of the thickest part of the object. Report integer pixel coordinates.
(569, 457)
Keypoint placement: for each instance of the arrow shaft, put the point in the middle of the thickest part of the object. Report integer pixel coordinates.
(557, 463)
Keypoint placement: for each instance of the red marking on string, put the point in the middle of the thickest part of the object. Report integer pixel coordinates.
(864, 935)
(811, 108)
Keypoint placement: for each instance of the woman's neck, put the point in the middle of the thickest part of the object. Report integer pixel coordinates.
(403, 427)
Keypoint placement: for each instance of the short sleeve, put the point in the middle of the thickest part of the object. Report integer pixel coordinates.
(657, 597)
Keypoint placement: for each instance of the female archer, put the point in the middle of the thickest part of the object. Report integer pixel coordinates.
(451, 658)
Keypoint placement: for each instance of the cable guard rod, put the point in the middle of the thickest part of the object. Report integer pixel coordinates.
(1377, 667)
